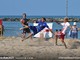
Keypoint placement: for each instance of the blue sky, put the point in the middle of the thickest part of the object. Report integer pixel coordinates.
(39, 7)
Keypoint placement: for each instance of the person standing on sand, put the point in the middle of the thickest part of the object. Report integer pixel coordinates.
(74, 31)
(65, 25)
(24, 22)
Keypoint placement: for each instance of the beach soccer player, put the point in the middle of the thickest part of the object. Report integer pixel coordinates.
(65, 25)
(41, 25)
(24, 22)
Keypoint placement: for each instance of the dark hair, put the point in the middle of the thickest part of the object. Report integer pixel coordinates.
(60, 30)
(66, 19)
(44, 18)
(56, 30)
(24, 14)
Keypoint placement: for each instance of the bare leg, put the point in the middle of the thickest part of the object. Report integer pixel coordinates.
(23, 36)
(29, 36)
(64, 43)
(41, 36)
(56, 38)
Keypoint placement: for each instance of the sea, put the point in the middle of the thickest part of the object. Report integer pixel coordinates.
(12, 28)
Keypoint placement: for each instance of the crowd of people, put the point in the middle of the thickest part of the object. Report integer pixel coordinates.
(58, 34)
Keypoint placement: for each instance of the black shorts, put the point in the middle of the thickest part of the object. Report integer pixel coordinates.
(26, 30)
(34, 29)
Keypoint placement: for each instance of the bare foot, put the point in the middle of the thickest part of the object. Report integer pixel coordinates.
(32, 41)
(65, 47)
(22, 40)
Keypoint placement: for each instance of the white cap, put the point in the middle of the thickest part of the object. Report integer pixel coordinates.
(74, 23)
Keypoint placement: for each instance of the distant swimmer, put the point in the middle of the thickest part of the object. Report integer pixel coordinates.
(65, 25)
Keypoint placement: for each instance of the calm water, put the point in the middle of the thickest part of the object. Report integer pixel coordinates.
(12, 28)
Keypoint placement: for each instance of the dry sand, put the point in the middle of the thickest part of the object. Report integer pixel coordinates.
(38, 49)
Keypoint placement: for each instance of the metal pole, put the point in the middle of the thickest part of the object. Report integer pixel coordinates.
(66, 8)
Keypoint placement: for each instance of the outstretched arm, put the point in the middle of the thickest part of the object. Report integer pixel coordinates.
(57, 22)
(25, 26)
(51, 31)
(49, 28)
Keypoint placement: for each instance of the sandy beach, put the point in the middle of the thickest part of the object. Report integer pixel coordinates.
(38, 49)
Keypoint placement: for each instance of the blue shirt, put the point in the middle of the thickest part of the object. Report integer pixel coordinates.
(41, 26)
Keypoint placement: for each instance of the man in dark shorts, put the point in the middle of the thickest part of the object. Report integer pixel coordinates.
(24, 22)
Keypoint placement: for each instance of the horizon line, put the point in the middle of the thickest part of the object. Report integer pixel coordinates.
(39, 15)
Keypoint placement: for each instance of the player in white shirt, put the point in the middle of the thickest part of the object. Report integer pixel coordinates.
(65, 25)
